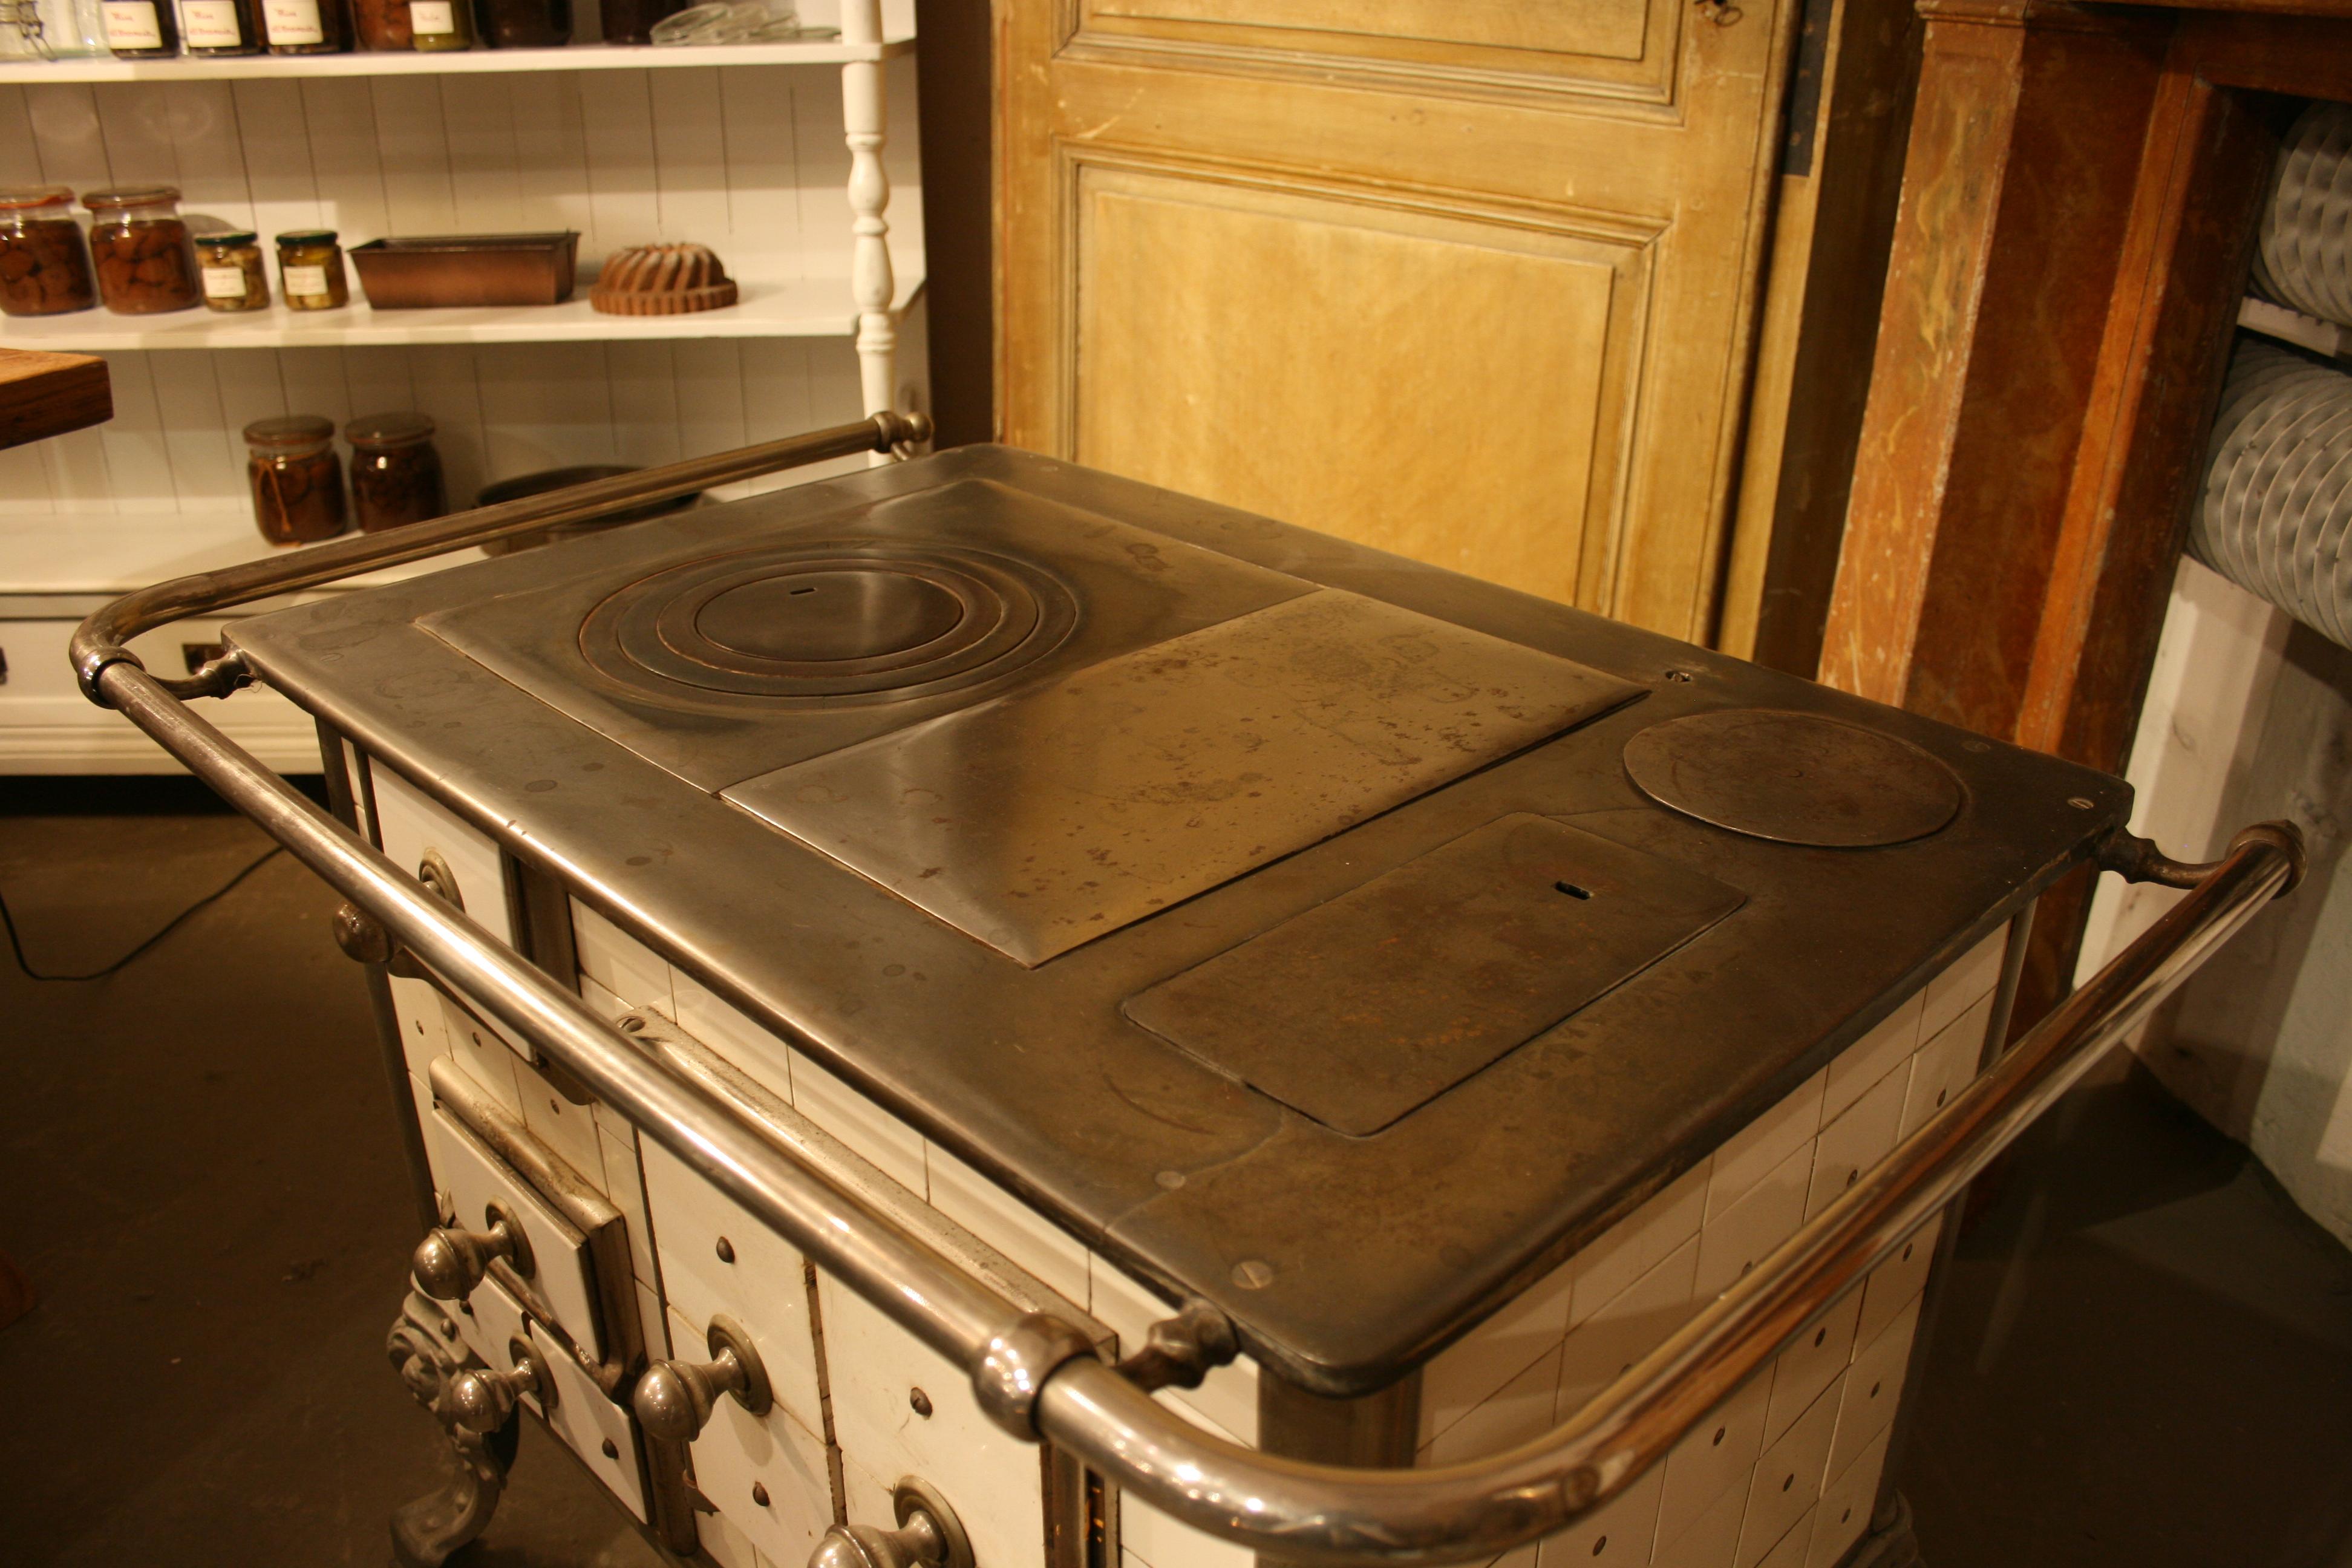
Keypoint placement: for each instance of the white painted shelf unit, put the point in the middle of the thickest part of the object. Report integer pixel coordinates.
(795, 162)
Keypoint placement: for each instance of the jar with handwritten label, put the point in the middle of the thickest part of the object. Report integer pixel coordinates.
(141, 29)
(139, 243)
(311, 270)
(44, 265)
(298, 485)
(220, 26)
(306, 26)
(441, 24)
(234, 277)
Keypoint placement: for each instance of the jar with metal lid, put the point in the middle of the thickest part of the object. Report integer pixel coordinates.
(434, 25)
(72, 29)
(524, 23)
(137, 238)
(306, 26)
(220, 26)
(298, 485)
(396, 472)
(311, 270)
(234, 277)
(141, 29)
(44, 265)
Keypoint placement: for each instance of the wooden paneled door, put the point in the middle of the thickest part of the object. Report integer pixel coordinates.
(1472, 281)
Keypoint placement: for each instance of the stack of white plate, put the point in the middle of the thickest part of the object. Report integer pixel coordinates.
(2305, 257)
(2278, 486)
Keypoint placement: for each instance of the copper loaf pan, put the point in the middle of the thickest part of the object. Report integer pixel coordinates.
(467, 269)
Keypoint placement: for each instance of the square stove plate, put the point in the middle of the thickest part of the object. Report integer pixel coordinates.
(1064, 810)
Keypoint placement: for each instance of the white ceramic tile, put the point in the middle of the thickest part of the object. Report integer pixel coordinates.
(489, 1320)
(724, 1545)
(475, 1179)
(1162, 1543)
(1629, 1326)
(1226, 1400)
(1856, 1141)
(1793, 1547)
(886, 1143)
(484, 1055)
(1006, 1223)
(1874, 1386)
(1896, 1283)
(1519, 1410)
(696, 1230)
(731, 1034)
(613, 1125)
(423, 1031)
(570, 1129)
(1754, 1152)
(619, 962)
(411, 823)
(1716, 1453)
(1974, 974)
(1944, 1065)
(1812, 1364)
(1496, 1350)
(766, 1474)
(588, 1421)
(1845, 1507)
(1619, 1533)
(1527, 1556)
(1739, 1238)
(654, 1321)
(1787, 1479)
(1870, 1058)
(991, 1478)
(626, 1186)
(601, 1000)
(1708, 1541)
(1636, 1244)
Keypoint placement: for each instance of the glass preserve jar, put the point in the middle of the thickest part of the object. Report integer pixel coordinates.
(141, 29)
(523, 23)
(234, 278)
(139, 244)
(306, 26)
(378, 26)
(298, 485)
(311, 270)
(44, 265)
(396, 472)
(72, 29)
(436, 25)
(220, 26)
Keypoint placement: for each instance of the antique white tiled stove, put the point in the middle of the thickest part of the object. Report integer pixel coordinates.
(1438, 993)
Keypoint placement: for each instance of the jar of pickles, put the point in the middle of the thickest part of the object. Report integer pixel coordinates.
(298, 485)
(396, 472)
(234, 278)
(44, 266)
(139, 244)
(436, 25)
(306, 26)
(311, 270)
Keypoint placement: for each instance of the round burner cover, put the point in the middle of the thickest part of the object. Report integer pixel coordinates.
(1795, 778)
(819, 616)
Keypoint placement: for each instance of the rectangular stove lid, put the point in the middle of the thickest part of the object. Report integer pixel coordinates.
(1335, 938)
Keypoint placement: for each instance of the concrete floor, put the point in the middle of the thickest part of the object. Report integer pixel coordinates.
(2144, 1358)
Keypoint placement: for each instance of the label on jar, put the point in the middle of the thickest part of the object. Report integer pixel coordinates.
(293, 22)
(432, 17)
(131, 25)
(224, 282)
(307, 281)
(211, 24)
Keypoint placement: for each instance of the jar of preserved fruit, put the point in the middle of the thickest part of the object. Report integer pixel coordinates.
(44, 266)
(306, 26)
(524, 23)
(144, 261)
(141, 29)
(396, 472)
(298, 485)
(378, 25)
(234, 278)
(311, 270)
(441, 24)
(220, 26)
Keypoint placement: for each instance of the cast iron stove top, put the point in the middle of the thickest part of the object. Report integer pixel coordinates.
(1335, 938)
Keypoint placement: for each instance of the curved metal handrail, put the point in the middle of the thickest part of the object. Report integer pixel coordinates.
(1036, 1375)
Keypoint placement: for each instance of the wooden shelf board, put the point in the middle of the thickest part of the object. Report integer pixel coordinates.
(454, 62)
(805, 308)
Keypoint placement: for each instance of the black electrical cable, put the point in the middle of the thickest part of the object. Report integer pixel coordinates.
(16, 945)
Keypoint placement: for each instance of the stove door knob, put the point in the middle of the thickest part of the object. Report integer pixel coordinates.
(674, 1398)
(929, 1536)
(484, 1399)
(451, 1261)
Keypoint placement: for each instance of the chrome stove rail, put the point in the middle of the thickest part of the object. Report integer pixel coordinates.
(1037, 1376)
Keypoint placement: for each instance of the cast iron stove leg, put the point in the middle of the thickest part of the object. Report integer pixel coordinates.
(426, 1354)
